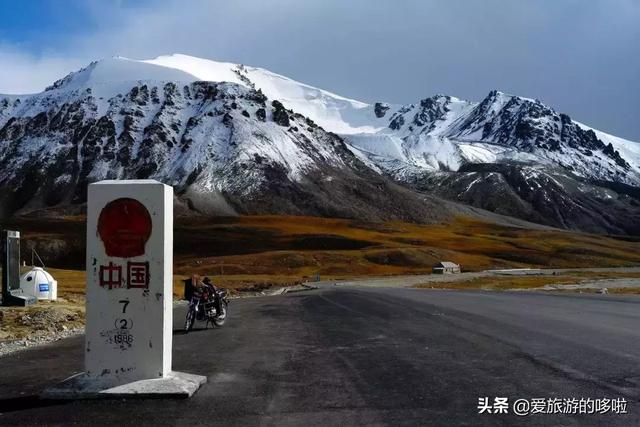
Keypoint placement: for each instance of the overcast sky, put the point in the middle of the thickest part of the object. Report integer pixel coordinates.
(581, 57)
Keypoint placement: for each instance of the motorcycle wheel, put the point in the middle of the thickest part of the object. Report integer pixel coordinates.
(219, 320)
(188, 322)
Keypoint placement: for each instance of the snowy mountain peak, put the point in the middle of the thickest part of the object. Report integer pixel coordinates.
(501, 96)
(331, 111)
(114, 72)
(224, 133)
(444, 133)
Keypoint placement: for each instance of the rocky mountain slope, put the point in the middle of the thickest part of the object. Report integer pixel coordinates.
(511, 155)
(236, 139)
(226, 148)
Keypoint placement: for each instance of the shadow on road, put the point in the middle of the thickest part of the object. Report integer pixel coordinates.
(194, 330)
(22, 403)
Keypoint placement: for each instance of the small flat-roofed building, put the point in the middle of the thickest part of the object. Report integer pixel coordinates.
(446, 267)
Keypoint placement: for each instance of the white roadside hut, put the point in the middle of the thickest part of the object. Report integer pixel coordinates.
(446, 267)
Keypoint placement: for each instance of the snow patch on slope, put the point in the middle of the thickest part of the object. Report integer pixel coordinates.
(477, 153)
(629, 150)
(332, 112)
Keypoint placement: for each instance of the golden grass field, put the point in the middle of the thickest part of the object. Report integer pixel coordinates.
(338, 248)
(254, 252)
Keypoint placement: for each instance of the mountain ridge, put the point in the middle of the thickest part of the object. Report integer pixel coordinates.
(222, 140)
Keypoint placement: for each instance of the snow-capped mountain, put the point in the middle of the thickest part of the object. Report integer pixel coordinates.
(444, 133)
(225, 146)
(239, 139)
(513, 156)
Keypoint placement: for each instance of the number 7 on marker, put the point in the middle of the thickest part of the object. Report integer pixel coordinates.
(125, 303)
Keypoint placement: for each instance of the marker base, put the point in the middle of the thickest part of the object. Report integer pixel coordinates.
(80, 386)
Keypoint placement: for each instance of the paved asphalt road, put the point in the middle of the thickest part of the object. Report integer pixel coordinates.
(368, 356)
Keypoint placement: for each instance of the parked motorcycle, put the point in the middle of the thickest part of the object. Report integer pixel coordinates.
(202, 307)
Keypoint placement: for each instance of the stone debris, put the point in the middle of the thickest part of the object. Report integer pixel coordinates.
(23, 327)
(9, 346)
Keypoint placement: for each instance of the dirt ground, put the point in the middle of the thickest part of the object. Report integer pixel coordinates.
(22, 327)
(583, 280)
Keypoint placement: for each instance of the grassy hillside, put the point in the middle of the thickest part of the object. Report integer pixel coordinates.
(254, 252)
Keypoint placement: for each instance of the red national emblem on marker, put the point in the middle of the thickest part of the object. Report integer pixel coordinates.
(124, 225)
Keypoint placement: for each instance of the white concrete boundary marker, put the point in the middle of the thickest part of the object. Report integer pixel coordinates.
(129, 305)
(129, 280)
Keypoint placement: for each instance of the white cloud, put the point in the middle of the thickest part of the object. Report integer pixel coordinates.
(580, 58)
(21, 72)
